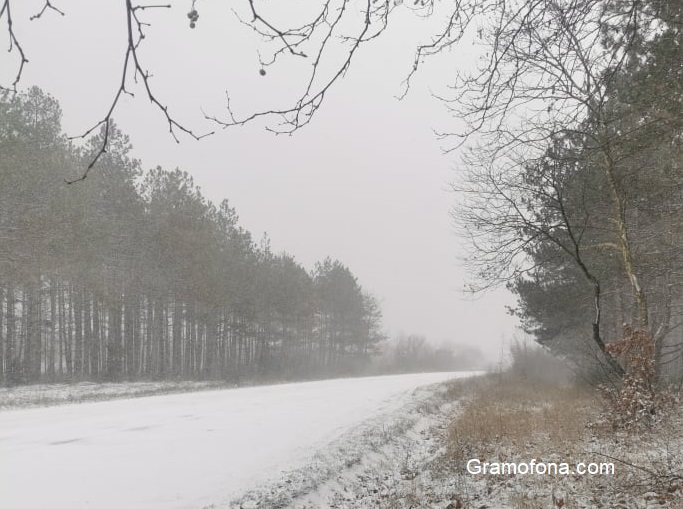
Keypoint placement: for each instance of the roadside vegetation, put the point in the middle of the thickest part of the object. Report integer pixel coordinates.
(521, 415)
(535, 411)
(42, 395)
(571, 199)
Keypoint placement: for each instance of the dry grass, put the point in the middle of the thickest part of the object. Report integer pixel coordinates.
(518, 415)
(525, 501)
(510, 418)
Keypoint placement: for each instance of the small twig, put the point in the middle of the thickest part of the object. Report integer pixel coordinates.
(304, 108)
(158, 6)
(620, 460)
(280, 34)
(669, 477)
(48, 5)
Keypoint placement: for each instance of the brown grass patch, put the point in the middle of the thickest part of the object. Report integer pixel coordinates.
(512, 414)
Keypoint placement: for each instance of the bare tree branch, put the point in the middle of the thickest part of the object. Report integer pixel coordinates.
(327, 25)
(135, 34)
(6, 11)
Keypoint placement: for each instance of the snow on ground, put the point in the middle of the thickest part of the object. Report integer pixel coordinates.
(386, 463)
(352, 470)
(202, 449)
(413, 466)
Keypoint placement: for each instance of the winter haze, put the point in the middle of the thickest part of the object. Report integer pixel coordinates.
(365, 182)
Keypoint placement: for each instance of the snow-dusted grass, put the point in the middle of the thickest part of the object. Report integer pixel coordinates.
(522, 415)
(397, 470)
(424, 467)
(191, 450)
(27, 396)
(505, 418)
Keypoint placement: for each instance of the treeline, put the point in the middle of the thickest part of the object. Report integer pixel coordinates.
(132, 275)
(413, 353)
(582, 212)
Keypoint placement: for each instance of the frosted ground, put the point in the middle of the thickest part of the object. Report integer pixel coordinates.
(268, 446)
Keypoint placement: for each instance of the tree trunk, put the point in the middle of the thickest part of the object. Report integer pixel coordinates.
(160, 331)
(177, 337)
(114, 339)
(3, 372)
(87, 335)
(53, 329)
(62, 327)
(95, 342)
(69, 334)
(129, 337)
(10, 339)
(624, 240)
(78, 330)
(149, 336)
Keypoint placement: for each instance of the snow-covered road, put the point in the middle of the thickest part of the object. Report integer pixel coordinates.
(183, 450)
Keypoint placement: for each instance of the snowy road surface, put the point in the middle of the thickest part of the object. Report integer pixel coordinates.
(183, 450)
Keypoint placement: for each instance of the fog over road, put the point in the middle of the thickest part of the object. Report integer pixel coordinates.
(184, 450)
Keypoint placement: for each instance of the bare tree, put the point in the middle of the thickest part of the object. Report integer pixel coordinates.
(550, 83)
(511, 214)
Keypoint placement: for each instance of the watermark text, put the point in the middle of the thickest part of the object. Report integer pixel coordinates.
(533, 467)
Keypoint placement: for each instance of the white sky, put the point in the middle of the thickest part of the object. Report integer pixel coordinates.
(366, 182)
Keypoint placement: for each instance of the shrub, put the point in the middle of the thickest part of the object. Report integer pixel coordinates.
(638, 399)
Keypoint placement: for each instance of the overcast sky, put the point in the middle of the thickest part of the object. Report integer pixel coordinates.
(366, 182)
